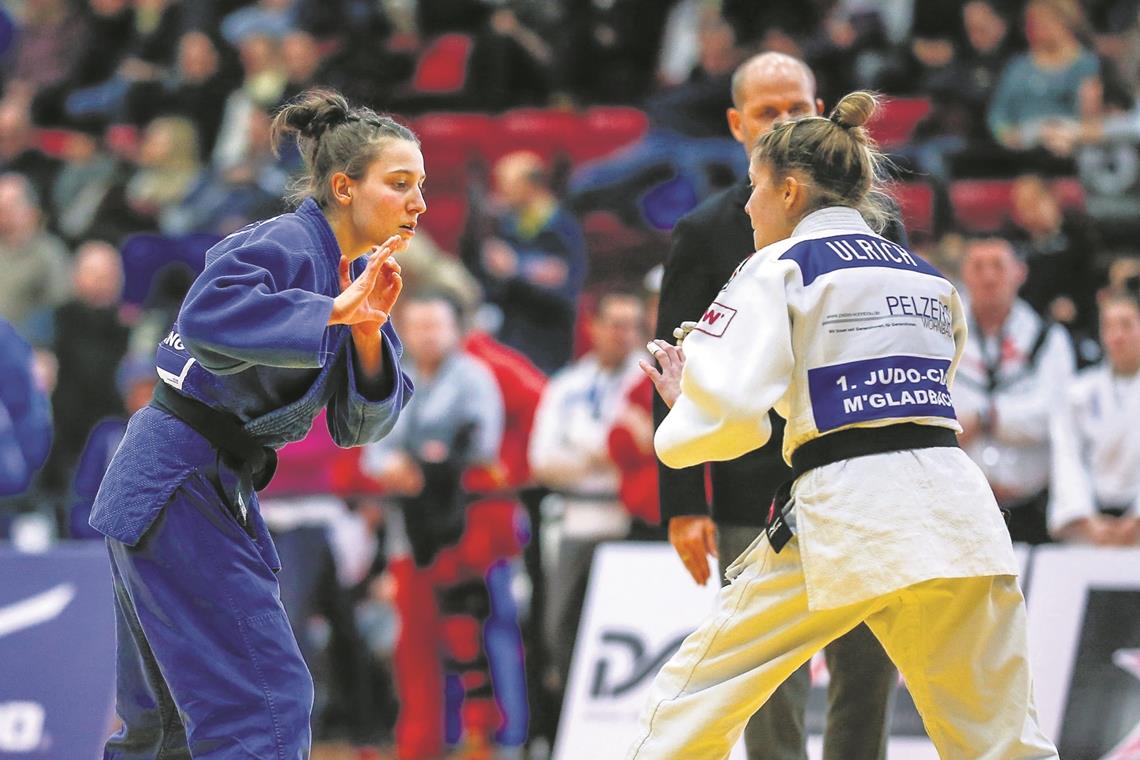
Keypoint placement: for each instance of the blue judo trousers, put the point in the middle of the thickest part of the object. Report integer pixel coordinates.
(208, 667)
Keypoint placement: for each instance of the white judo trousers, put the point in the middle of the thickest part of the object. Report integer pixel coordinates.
(958, 642)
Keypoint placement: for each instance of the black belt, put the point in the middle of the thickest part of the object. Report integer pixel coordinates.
(224, 432)
(849, 444)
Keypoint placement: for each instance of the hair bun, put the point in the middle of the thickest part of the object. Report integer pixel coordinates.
(855, 109)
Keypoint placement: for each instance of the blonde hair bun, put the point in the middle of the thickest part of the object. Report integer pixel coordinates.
(855, 109)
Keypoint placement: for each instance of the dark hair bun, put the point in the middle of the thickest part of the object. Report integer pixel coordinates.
(314, 112)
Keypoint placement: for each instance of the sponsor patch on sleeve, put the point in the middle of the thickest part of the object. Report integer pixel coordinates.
(716, 319)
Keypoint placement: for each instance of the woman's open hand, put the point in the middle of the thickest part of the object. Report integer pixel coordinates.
(367, 301)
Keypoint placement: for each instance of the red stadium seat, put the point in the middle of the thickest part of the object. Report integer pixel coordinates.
(444, 220)
(446, 169)
(984, 205)
(606, 129)
(442, 67)
(470, 133)
(895, 122)
(53, 142)
(547, 132)
(981, 205)
(916, 201)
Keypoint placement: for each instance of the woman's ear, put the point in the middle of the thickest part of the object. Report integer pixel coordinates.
(793, 193)
(341, 186)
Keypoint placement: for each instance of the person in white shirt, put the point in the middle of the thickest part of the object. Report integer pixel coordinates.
(1095, 492)
(569, 454)
(1015, 371)
(855, 341)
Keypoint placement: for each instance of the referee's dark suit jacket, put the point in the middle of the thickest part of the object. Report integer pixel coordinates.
(708, 244)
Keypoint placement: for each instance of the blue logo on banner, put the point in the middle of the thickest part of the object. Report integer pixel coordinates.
(57, 653)
(818, 257)
(885, 387)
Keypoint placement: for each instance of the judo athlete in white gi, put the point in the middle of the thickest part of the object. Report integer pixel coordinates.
(854, 340)
(1095, 474)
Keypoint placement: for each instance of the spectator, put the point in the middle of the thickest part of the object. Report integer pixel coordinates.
(134, 380)
(90, 341)
(569, 455)
(18, 150)
(609, 48)
(630, 440)
(1056, 79)
(1061, 251)
(273, 18)
(25, 415)
(1014, 372)
(150, 52)
(33, 261)
(1096, 438)
(301, 57)
(450, 542)
(263, 85)
(88, 174)
(196, 89)
(960, 92)
(510, 64)
(48, 44)
(533, 263)
(696, 106)
(166, 169)
(226, 198)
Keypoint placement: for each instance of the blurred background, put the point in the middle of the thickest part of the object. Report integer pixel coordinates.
(563, 139)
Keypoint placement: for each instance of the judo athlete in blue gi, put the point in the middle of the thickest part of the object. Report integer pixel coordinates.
(286, 319)
(853, 340)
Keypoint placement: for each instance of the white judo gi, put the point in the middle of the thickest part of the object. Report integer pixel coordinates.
(1096, 447)
(838, 328)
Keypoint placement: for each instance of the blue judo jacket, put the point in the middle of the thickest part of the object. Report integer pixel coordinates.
(25, 415)
(252, 339)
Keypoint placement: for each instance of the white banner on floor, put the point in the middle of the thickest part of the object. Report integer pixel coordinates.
(640, 605)
(1084, 643)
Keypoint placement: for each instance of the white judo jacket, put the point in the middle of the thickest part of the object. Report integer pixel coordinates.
(1096, 447)
(834, 328)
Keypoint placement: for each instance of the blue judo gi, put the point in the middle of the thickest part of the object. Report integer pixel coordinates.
(207, 664)
(25, 414)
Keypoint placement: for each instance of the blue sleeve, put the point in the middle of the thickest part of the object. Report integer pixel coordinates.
(256, 305)
(1001, 113)
(354, 418)
(25, 415)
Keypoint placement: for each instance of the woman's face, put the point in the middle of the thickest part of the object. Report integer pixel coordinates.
(1120, 333)
(389, 199)
(770, 206)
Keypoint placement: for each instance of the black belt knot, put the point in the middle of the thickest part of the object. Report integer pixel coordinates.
(223, 431)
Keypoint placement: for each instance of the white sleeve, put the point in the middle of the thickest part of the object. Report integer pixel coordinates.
(1070, 484)
(733, 374)
(553, 463)
(1025, 418)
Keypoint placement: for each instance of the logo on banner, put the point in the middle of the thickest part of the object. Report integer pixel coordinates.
(21, 726)
(606, 683)
(1127, 660)
(34, 610)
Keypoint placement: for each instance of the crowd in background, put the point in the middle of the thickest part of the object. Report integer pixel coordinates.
(133, 133)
